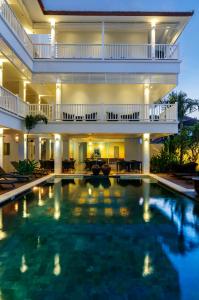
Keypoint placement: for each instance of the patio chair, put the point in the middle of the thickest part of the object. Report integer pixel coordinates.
(17, 176)
(4, 181)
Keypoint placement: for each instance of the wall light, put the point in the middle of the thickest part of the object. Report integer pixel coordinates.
(52, 22)
(17, 138)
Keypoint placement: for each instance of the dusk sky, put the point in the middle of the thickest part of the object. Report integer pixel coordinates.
(189, 41)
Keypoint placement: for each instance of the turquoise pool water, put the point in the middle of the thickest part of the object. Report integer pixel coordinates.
(99, 239)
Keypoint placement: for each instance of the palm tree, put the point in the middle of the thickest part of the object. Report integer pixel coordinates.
(185, 105)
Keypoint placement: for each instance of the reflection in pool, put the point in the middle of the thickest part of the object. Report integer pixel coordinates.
(99, 239)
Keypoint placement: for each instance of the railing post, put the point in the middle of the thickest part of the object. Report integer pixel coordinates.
(153, 40)
(17, 104)
(103, 48)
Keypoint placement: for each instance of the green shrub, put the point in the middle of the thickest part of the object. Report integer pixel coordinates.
(164, 162)
(27, 167)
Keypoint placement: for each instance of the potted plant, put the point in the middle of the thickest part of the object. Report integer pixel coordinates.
(106, 169)
(95, 169)
(31, 121)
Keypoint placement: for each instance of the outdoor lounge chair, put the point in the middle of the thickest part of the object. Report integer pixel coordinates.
(17, 176)
(4, 181)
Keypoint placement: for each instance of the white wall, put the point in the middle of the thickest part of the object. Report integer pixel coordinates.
(133, 150)
(102, 93)
(13, 152)
(78, 37)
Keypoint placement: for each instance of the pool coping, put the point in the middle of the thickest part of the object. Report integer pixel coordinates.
(15, 192)
(176, 187)
(20, 190)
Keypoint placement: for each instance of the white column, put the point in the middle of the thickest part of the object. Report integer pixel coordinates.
(146, 153)
(1, 73)
(58, 154)
(1, 147)
(146, 101)
(21, 147)
(103, 36)
(25, 145)
(52, 33)
(39, 101)
(37, 148)
(153, 39)
(48, 149)
(58, 100)
(65, 149)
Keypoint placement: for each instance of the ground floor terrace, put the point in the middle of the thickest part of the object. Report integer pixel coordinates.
(77, 153)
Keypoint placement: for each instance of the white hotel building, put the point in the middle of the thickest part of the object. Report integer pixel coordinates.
(96, 75)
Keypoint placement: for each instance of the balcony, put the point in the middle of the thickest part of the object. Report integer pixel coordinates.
(7, 14)
(96, 118)
(106, 113)
(12, 104)
(106, 52)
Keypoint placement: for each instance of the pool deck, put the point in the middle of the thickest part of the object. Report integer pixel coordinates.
(162, 178)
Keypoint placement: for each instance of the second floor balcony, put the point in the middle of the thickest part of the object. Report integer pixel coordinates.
(86, 118)
(103, 113)
(106, 51)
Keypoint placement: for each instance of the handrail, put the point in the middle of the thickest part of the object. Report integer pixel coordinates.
(11, 103)
(106, 51)
(123, 113)
(9, 16)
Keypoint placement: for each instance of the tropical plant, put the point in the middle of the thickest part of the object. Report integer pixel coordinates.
(185, 105)
(31, 121)
(27, 167)
(164, 162)
(193, 146)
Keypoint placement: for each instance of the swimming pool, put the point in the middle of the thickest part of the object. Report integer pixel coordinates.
(99, 239)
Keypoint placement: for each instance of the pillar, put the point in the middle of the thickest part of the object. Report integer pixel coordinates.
(58, 100)
(25, 139)
(146, 153)
(65, 149)
(153, 39)
(1, 147)
(37, 148)
(48, 149)
(52, 33)
(21, 147)
(1, 73)
(58, 154)
(23, 90)
(146, 115)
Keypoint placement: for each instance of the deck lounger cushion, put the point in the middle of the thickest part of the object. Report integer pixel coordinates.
(111, 116)
(91, 116)
(68, 117)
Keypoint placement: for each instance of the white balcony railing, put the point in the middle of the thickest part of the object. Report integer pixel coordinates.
(11, 103)
(9, 17)
(107, 51)
(84, 51)
(103, 113)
